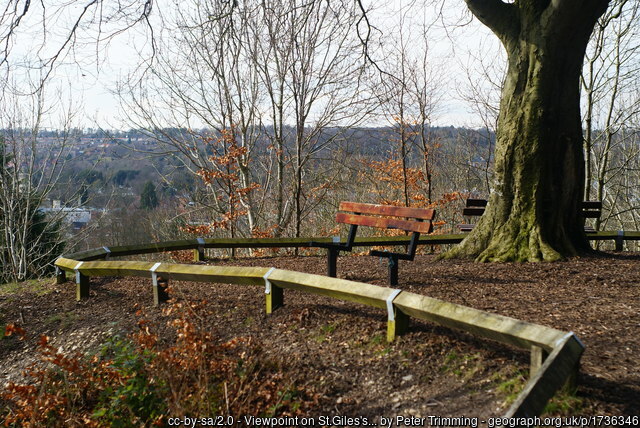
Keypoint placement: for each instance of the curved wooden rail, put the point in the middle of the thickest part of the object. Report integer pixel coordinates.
(199, 244)
(554, 354)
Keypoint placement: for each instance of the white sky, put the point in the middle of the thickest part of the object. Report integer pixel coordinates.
(454, 49)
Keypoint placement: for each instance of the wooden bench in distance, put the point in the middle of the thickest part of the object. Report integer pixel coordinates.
(476, 207)
(414, 220)
(591, 209)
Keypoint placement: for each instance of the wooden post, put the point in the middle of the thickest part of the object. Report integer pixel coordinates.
(82, 286)
(198, 254)
(160, 294)
(61, 276)
(397, 326)
(538, 355)
(275, 299)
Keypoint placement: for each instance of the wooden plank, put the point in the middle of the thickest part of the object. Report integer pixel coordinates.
(473, 211)
(557, 369)
(591, 205)
(155, 247)
(591, 214)
(493, 326)
(66, 263)
(265, 243)
(92, 254)
(476, 202)
(217, 274)
(632, 235)
(389, 210)
(384, 223)
(113, 268)
(367, 294)
(466, 227)
(364, 241)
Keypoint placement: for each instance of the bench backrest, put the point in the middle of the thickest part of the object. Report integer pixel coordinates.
(373, 215)
(476, 207)
(591, 209)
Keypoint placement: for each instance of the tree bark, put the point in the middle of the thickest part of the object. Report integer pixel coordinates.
(534, 207)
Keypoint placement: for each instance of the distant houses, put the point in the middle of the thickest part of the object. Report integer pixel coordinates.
(76, 217)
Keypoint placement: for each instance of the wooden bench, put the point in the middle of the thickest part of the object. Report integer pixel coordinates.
(591, 209)
(473, 208)
(476, 207)
(414, 220)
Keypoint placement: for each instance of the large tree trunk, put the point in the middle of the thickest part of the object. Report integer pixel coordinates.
(534, 208)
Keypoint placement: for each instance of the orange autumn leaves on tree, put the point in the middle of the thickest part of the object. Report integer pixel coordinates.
(387, 177)
(223, 177)
(143, 379)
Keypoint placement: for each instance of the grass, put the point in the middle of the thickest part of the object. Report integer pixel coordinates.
(326, 330)
(564, 403)
(462, 365)
(37, 286)
(9, 291)
(510, 383)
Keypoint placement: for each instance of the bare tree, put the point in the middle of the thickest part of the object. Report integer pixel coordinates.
(283, 72)
(410, 95)
(30, 170)
(200, 79)
(611, 101)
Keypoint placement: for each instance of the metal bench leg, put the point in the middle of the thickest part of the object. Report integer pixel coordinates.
(393, 270)
(620, 241)
(332, 262)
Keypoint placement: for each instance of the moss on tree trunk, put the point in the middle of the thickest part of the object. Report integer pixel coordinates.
(534, 208)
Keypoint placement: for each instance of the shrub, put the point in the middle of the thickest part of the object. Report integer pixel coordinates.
(137, 381)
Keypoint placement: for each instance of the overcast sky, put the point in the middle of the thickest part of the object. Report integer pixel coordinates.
(459, 47)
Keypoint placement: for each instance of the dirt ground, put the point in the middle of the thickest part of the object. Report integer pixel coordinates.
(339, 348)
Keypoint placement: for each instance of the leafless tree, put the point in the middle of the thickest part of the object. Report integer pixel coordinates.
(612, 105)
(285, 72)
(30, 169)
